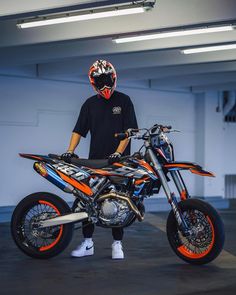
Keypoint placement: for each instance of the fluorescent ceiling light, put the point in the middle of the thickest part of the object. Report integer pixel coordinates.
(80, 17)
(209, 48)
(186, 32)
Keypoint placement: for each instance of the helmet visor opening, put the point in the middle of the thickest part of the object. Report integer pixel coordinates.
(103, 80)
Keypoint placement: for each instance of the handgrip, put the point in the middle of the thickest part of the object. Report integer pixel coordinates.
(169, 127)
(121, 136)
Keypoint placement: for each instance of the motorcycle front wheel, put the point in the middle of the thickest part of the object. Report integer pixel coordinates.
(207, 232)
(39, 242)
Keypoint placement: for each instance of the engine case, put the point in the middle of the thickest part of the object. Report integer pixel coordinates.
(114, 212)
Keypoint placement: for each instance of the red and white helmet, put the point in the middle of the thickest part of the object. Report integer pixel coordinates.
(102, 76)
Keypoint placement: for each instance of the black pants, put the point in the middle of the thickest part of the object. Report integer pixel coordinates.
(88, 230)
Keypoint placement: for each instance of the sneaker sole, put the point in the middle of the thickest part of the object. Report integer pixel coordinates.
(79, 256)
(118, 257)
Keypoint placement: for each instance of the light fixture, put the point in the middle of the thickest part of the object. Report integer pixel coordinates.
(169, 34)
(140, 7)
(209, 48)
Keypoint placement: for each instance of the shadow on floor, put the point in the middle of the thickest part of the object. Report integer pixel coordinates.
(150, 266)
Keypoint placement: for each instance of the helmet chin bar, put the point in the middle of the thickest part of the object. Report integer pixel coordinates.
(102, 76)
(106, 92)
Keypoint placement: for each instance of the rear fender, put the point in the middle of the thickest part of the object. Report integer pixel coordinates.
(194, 168)
(58, 178)
(40, 158)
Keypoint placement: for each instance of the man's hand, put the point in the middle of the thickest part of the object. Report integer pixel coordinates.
(114, 158)
(165, 130)
(68, 155)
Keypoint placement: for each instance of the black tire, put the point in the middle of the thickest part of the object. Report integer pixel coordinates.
(24, 214)
(213, 232)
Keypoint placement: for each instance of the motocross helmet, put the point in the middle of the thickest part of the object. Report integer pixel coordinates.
(102, 76)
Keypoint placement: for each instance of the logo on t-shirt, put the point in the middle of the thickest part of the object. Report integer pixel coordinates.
(116, 110)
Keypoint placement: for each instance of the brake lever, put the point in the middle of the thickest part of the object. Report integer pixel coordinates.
(174, 130)
(136, 136)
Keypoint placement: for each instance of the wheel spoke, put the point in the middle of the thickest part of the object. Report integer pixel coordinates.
(31, 234)
(201, 240)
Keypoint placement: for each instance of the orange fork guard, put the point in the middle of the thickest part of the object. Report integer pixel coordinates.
(194, 168)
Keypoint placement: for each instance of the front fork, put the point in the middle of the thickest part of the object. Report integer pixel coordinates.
(170, 196)
(180, 185)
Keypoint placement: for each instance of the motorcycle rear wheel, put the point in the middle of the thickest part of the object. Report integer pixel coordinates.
(33, 241)
(208, 239)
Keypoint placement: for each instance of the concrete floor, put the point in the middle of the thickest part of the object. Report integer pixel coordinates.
(150, 266)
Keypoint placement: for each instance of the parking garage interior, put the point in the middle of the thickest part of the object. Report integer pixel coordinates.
(43, 84)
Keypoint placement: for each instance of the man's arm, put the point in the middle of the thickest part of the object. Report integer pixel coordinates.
(81, 128)
(74, 141)
(122, 146)
(130, 121)
(119, 151)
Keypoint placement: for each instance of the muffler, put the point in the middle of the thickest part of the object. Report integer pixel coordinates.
(73, 217)
(53, 177)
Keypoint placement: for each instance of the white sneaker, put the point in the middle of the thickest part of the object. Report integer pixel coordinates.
(117, 250)
(85, 249)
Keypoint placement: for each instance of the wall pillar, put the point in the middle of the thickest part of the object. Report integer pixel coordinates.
(213, 145)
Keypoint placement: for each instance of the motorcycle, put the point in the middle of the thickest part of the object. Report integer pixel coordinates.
(113, 196)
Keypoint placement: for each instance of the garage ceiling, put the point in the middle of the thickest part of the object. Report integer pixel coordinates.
(66, 51)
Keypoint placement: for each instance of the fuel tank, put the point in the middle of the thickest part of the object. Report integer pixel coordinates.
(132, 167)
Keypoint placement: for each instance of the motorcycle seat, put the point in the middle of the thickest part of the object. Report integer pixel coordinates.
(96, 164)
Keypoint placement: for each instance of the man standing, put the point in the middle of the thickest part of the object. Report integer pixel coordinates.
(104, 114)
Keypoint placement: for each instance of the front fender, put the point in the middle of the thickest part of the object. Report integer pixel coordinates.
(194, 168)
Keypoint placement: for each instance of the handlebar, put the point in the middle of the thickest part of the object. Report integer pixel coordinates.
(160, 127)
(121, 136)
(127, 134)
(133, 132)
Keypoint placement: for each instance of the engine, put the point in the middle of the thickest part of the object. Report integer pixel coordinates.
(115, 210)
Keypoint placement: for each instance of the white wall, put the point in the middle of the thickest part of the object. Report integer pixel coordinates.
(229, 148)
(213, 139)
(215, 144)
(37, 116)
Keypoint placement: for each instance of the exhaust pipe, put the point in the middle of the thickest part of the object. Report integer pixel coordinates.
(73, 217)
(53, 177)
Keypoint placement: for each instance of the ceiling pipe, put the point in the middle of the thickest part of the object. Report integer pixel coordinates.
(66, 9)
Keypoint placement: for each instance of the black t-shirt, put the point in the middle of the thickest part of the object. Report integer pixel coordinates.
(103, 118)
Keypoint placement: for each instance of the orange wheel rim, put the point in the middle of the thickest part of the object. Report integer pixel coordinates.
(190, 254)
(48, 247)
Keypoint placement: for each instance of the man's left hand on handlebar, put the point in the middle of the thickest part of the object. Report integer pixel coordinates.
(68, 155)
(164, 129)
(115, 157)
